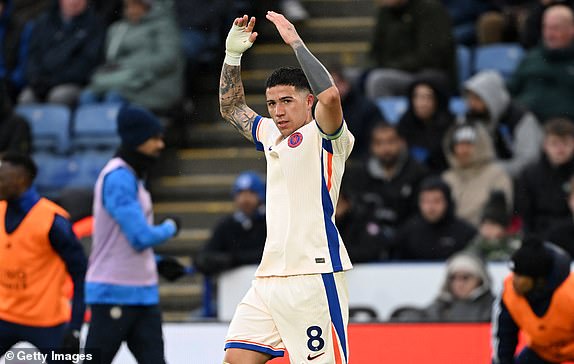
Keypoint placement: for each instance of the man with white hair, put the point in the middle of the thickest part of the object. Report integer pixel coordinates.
(543, 80)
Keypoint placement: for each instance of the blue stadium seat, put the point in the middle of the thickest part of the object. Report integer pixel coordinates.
(54, 172)
(392, 107)
(502, 57)
(464, 63)
(87, 166)
(50, 126)
(95, 127)
(457, 106)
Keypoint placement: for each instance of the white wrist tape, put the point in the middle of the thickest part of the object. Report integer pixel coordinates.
(236, 43)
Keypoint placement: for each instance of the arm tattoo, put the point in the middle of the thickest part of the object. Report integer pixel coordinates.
(232, 101)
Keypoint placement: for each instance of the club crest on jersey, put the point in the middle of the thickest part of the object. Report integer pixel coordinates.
(295, 139)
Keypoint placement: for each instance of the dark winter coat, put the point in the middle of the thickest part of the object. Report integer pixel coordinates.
(63, 53)
(541, 195)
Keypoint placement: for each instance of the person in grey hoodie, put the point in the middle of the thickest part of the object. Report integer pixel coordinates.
(515, 131)
(144, 61)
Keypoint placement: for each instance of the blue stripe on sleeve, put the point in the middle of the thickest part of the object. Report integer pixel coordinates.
(258, 144)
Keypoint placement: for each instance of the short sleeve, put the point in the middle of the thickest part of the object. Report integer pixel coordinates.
(342, 140)
(260, 131)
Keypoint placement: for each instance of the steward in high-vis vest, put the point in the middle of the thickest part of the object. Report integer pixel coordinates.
(538, 299)
(38, 250)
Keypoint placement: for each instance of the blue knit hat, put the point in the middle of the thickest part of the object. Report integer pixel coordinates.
(249, 181)
(136, 125)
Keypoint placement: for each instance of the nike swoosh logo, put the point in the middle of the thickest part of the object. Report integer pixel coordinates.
(309, 357)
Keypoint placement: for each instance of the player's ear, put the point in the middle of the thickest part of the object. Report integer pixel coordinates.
(310, 99)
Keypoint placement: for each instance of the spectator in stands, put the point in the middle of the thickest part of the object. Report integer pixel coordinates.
(201, 34)
(531, 31)
(361, 114)
(562, 233)
(15, 134)
(466, 294)
(237, 239)
(65, 48)
(537, 299)
(109, 10)
(425, 123)
(39, 251)
(464, 15)
(515, 131)
(541, 198)
(14, 39)
(122, 281)
(435, 233)
(473, 172)
(362, 237)
(543, 80)
(385, 186)
(144, 64)
(494, 242)
(412, 38)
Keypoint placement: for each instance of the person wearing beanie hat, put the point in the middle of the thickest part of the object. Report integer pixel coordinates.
(494, 242)
(250, 181)
(122, 277)
(538, 299)
(237, 239)
(136, 125)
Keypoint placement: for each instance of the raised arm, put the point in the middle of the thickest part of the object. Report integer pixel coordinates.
(328, 113)
(231, 93)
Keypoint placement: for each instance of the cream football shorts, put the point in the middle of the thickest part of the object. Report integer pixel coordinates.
(306, 315)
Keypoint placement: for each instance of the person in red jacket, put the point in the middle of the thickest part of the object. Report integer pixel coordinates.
(538, 299)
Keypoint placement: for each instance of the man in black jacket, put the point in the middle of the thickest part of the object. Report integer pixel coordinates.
(541, 194)
(435, 233)
(384, 189)
(238, 239)
(65, 47)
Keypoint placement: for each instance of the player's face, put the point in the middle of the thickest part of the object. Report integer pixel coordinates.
(522, 284)
(289, 108)
(152, 147)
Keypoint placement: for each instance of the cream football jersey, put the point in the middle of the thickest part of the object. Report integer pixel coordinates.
(304, 173)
